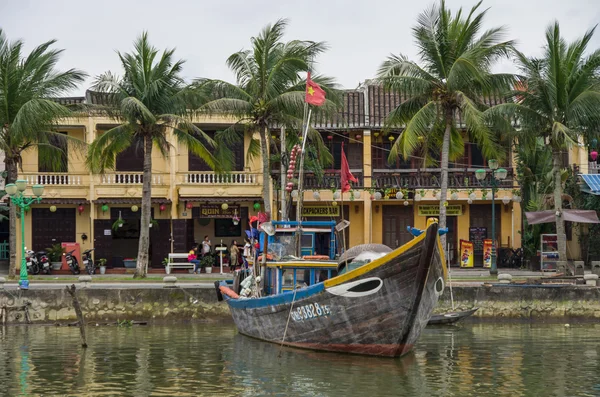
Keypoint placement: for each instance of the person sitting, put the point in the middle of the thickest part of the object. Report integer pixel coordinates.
(193, 258)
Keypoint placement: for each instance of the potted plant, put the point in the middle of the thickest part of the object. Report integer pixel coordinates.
(55, 254)
(207, 262)
(130, 263)
(117, 224)
(102, 265)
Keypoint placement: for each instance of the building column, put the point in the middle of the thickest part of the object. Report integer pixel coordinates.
(367, 175)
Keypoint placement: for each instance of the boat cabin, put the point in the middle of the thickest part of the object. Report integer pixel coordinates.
(284, 270)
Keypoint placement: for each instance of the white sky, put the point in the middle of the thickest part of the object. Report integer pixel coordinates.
(360, 34)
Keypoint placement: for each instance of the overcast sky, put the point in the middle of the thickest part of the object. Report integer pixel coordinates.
(360, 34)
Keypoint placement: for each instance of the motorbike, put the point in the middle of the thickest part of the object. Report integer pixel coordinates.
(72, 262)
(88, 262)
(32, 262)
(43, 261)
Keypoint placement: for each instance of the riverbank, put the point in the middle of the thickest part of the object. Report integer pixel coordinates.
(102, 303)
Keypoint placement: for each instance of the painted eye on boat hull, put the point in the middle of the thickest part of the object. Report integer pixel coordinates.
(358, 288)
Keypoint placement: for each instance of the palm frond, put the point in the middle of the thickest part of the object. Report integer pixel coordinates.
(102, 153)
(417, 128)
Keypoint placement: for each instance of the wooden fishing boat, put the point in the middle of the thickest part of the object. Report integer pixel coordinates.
(450, 317)
(379, 308)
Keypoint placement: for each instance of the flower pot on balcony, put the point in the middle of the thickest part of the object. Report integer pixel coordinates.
(208, 269)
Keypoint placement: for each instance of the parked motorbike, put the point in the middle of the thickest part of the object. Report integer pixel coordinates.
(72, 262)
(32, 262)
(88, 262)
(43, 261)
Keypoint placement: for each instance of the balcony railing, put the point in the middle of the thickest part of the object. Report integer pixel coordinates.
(210, 178)
(130, 178)
(63, 179)
(431, 178)
(329, 180)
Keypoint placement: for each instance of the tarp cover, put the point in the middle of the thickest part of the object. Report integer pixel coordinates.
(579, 216)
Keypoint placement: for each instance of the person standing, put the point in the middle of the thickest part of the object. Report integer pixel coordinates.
(247, 249)
(234, 253)
(206, 246)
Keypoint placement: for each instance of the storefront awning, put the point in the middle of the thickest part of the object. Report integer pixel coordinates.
(579, 216)
(219, 199)
(132, 200)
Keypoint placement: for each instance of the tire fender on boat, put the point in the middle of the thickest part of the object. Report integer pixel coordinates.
(228, 291)
(439, 286)
(219, 295)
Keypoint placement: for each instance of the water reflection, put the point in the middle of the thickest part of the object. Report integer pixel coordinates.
(206, 359)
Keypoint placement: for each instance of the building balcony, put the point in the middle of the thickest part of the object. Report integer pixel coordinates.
(431, 178)
(131, 178)
(329, 180)
(207, 184)
(56, 179)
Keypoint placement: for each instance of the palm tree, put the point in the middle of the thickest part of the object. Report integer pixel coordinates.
(29, 87)
(454, 75)
(270, 92)
(150, 101)
(558, 101)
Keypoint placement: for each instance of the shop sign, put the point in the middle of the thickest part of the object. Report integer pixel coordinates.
(434, 210)
(321, 211)
(215, 211)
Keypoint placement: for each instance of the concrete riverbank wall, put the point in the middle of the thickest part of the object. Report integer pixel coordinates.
(520, 302)
(168, 305)
(159, 305)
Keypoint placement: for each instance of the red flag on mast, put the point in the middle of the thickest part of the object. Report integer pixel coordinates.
(345, 174)
(315, 95)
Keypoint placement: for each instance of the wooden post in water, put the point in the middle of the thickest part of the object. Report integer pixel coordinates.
(79, 314)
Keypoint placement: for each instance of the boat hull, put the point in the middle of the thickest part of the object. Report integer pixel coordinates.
(357, 312)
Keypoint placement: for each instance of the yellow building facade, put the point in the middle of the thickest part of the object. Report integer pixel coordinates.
(188, 198)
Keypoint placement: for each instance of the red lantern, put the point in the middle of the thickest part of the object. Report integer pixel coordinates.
(189, 205)
(330, 137)
(162, 207)
(594, 155)
(80, 208)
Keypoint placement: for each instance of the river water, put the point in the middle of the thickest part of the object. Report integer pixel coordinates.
(213, 360)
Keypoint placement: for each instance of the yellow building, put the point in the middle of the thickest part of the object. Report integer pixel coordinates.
(188, 197)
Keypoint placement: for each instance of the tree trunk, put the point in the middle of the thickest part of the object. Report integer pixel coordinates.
(11, 177)
(444, 166)
(144, 244)
(283, 176)
(560, 222)
(264, 149)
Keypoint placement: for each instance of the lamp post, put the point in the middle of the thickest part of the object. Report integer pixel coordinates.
(16, 192)
(497, 175)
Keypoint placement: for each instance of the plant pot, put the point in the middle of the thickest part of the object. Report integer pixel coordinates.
(130, 264)
(102, 269)
(56, 265)
(208, 269)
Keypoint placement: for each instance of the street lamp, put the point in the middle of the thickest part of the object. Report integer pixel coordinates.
(497, 175)
(16, 192)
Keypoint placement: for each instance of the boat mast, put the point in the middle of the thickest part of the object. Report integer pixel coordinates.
(301, 185)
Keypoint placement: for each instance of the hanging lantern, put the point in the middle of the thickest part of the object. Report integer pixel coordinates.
(454, 196)
(472, 196)
(52, 208)
(294, 193)
(517, 199)
(317, 196)
(405, 203)
(224, 206)
(417, 197)
(134, 208)
(334, 204)
(377, 196)
(391, 138)
(104, 208)
(505, 200)
(189, 205)
(256, 206)
(162, 207)
(399, 195)
(330, 137)
(470, 201)
(358, 136)
(438, 195)
(336, 195)
(80, 208)
(594, 155)
(357, 195)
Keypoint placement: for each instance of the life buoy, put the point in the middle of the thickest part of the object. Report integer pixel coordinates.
(228, 291)
(316, 257)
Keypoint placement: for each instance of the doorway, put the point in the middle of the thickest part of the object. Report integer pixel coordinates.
(49, 228)
(396, 218)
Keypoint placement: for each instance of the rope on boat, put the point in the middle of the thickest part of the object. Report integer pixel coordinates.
(288, 321)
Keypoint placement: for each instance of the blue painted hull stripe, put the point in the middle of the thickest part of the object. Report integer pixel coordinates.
(273, 300)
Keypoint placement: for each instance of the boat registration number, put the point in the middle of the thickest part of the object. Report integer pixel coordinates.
(310, 311)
